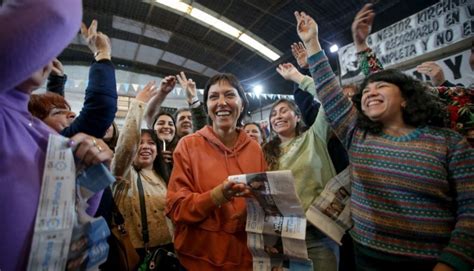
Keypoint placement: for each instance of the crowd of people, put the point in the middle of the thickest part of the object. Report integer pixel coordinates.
(409, 147)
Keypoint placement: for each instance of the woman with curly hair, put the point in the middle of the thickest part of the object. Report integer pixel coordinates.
(412, 181)
(418, 107)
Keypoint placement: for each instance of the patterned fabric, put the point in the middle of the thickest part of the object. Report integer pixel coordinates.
(369, 62)
(459, 100)
(411, 195)
(154, 186)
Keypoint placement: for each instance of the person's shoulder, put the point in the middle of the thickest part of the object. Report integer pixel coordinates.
(447, 135)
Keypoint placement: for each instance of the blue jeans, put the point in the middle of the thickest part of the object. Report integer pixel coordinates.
(322, 250)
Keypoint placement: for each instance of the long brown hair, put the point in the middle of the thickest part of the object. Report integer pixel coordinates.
(272, 150)
(159, 165)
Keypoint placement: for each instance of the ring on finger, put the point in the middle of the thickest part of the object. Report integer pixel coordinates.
(94, 142)
(99, 148)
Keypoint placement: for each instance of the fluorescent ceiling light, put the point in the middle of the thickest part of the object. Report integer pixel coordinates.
(226, 28)
(205, 18)
(259, 47)
(175, 4)
(214, 22)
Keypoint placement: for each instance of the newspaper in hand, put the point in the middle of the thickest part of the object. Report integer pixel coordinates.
(330, 211)
(276, 223)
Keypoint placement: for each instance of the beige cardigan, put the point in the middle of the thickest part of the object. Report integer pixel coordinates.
(153, 185)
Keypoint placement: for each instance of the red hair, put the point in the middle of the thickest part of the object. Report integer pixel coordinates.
(41, 104)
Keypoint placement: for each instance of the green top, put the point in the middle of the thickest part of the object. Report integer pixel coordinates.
(307, 156)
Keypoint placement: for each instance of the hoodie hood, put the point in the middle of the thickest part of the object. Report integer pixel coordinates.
(243, 140)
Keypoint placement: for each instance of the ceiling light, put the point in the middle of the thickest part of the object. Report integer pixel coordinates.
(258, 89)
(259, 47)
(175, 4)
(334, 48)
(226, 28)
(201, 16)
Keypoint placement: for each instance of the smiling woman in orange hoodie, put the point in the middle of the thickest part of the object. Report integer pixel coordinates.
(207, 210)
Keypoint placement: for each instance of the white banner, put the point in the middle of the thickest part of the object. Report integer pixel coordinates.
(433, 28)
(456, 69)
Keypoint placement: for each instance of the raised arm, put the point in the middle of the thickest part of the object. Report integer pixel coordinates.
(129, 138)
(304, 95)
(361, 28)
(57, 78)
(198, 113)
(339, 110)
(100, 103)
(153, 109)
(33, 33)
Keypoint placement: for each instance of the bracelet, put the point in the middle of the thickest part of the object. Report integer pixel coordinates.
(194, 101)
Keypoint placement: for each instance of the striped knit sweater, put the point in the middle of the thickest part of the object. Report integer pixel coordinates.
(411, 195)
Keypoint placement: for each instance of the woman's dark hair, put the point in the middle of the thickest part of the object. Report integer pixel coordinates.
(170, 145)
(112, 142)
(262, 133)
(272, 150)
(422, 106)
(159, 164)
(234, 82)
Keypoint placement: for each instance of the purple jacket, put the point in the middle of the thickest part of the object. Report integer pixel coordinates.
(32, 33)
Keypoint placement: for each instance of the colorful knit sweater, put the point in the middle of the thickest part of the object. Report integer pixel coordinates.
(411, 195)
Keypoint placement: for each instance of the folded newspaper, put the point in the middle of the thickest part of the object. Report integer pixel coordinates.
(276, 222)
(330, 211)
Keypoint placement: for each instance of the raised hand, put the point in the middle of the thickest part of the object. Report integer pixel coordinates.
(289, 72)
(188, 85)
(308, 32)
(97, 42)
(58, 68)
(433, 70)
(147, 92)
(299, 53)
(362, 26)
(167, 84)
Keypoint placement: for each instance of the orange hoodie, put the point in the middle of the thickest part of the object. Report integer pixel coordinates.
(207, 236)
